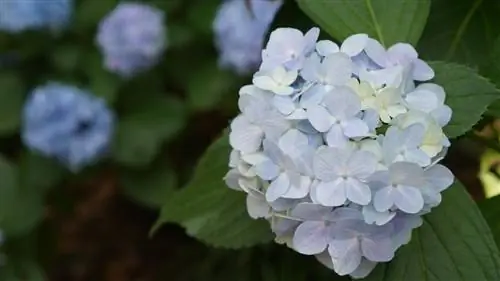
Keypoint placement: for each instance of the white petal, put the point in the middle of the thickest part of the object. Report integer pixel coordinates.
(313, 96)
(422, 100)
(354, 44)
(346, 255)
(403, 51)
(422, 71)
(354, 128)
(335, 137)
(231, 179)
(319, 117)
(278, 187)
(298, 191)
(310, 238)
(310, 71)
(362, 164)
(406, 173)
(264, 82)
(383, 199)
(439, 177)
(247, 139)
(358, 192)
(290, 77)
(376, 52)
(364, 269)
(339, 68)
(442, 115)
(326, 47)
(267, 170)
(310, 39)
(283, 90)
(284, 104)
(408, 199)
(328, 163)
(293, 143)
(257, 207)
(343, 102)
(418, 156)
(380, 250)
(325, 259)
(310, 211)
(298, 114)
(372, 216)
(332, 193)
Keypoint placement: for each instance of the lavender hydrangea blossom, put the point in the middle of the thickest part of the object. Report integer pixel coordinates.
(20, 15)
(132, 38)
(337, 147)
(67, 123)
(239, 32)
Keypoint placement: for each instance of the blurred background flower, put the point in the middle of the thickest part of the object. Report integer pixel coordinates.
(67, 123)
(20, 15)
(240, 27)
(132, 38)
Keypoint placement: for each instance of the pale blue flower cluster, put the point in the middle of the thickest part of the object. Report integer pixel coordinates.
(20, 15)
(240, 29)
(337, 146)
(132, 38)
(67, 123)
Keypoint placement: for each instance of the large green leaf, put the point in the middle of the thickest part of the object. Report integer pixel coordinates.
(468, 95)
(390, 21)
(149, 187)
(102, 83)
(491, 211)
(20, 261)
(11, 102)
(37, 173)
(155, 119)
(207, 86)
(19, 211)
(461, 30)
(454, 243)
(209, 210)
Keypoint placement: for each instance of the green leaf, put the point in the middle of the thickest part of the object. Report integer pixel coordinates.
(151, 187)
(463, 31)
(66, 58)
(201, 14)
(22, 270)
(454, 243)
(492, 69)
(208, 85)
(89, 13)
(102, 83)
(141, 132)
(179, 35)
(468, 95)
(209, 210)
(20, 255)
(388, 21)
(37, 173)
(19, 211)
(491, 211)
(11, 102)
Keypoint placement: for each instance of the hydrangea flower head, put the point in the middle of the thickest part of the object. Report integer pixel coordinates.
(20, 15)
(239, 32)
(337, 147)
(132, 38)
(67, 123)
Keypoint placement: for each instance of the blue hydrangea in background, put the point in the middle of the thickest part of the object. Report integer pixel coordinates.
(239, 32)
(67, 123)
(20, 15)
(132, 38)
